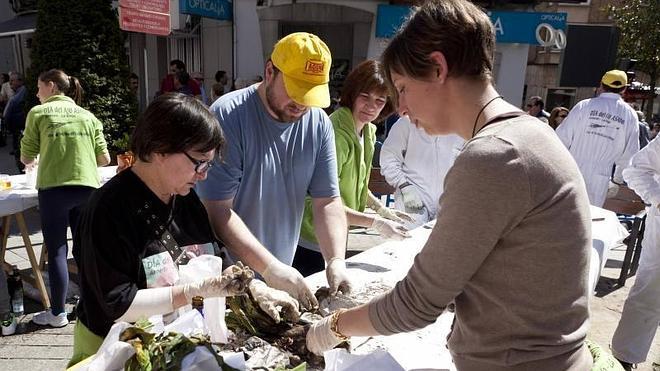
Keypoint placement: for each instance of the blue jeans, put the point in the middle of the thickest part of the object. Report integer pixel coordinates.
(58, 210)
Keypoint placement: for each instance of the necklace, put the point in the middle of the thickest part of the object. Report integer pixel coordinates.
(474, 127)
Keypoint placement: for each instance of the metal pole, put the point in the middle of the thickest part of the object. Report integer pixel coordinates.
(233, 44)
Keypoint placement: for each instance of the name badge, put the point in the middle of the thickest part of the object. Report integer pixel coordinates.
(160, 270)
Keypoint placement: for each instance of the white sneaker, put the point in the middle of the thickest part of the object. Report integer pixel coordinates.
(9, 325)
(46, 318)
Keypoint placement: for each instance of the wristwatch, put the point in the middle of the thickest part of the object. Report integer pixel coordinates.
(333, 325)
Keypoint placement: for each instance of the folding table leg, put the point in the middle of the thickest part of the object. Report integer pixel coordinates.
(638, 248)
(6, 223)
(39, 281)
(630, 249)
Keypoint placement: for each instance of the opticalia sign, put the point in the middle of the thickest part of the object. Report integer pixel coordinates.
(545, 29)
(217, 9)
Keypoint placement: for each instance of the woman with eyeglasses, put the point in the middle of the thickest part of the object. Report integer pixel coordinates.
(136, 229)
(557, 115)
(69, 142)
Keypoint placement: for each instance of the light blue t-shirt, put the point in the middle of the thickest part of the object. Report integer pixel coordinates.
(268, 167)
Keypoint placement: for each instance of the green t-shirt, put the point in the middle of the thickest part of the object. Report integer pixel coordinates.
(353, 167)
(68, 138)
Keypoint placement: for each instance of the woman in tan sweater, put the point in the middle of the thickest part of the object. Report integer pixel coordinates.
(511, 244)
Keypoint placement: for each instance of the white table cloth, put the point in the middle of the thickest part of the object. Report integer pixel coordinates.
(389, 262)
(13, 202)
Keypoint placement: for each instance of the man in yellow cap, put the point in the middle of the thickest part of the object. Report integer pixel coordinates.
(280, 147)
(601, 132)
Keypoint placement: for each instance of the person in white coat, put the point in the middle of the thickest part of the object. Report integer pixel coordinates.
(602, 132)
(641, 312)
(405, 160)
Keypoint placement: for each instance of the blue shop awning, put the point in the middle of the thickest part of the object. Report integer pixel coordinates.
(24, 23)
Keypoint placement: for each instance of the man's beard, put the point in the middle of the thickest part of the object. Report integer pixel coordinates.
(280, 114)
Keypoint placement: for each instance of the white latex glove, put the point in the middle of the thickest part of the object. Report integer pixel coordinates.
(320, 337)
(286, 278)
(395, 215)
(411, 199)
(233, 281)
(337, 276)
(390, 229)
(269, 299)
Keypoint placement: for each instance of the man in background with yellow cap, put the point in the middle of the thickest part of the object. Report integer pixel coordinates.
(601, 132)
(280, 147)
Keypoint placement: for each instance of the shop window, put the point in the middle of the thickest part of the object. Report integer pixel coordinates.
(186, 45)
(558, 97)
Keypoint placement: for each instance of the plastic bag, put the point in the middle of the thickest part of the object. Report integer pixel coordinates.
(341, 360)
(203, 360)
(197, 269)
(113, 354)
(187, 324)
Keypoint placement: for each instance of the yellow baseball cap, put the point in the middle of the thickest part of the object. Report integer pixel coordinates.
(304, 61)
(615, 79)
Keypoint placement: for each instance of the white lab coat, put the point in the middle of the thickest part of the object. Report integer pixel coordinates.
(600, 132)
(641, 312)
(409, 154)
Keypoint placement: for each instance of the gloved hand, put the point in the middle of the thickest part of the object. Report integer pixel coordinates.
(233, 281)
(395, 215)
(390, 229)
(320, 336)
(269, 299)
(410, 198)
(337, 276)
(286, 278)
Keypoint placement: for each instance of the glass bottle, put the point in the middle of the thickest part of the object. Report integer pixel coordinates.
(17, 294)
(198, 303)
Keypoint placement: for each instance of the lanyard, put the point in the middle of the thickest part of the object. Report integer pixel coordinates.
(162, 233)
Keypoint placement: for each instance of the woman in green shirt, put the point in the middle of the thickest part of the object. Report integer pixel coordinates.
(364, 99)
(69, 141)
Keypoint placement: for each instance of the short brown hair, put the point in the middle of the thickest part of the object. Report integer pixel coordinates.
(367, 77)
(457, 28)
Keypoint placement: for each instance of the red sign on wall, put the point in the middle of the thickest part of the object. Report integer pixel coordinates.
(145, 16)
(156, 6)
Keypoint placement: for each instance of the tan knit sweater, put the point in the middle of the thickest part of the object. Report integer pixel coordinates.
(511, 246)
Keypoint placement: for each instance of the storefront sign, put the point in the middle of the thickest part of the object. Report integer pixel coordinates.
(389, 18)
(156, 6)
(144, 22)
(145, 16)
(545, 29)
(216, 9)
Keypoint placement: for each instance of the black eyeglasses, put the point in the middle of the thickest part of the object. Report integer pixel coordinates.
(200, 165)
